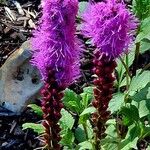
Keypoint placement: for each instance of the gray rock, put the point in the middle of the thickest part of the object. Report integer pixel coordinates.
(19, 80)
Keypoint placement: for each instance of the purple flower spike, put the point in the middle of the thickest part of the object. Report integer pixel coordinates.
(110, 26)
(54, 43)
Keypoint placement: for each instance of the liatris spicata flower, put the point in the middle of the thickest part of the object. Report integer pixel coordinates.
(103, 68)
(54, 42)
(51, 106)
(110, 26)
(56, 55)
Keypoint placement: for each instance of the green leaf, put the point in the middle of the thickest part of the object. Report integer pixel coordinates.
(116, 102)
(111, 122)
(82, 8)
(37, 109)
(72, 101)
(140, 81)
(111, 131)
(88, 90)
(131, 138)
(85, 146)
(66, 121)
(130, 114)
(148, 148)
(123, 82)
(109, 144)
(87, 96)
(88, 110)
(67, 138)
(144, 30)
(111, 140)
(38, 128)
(141, 101)
(145, 132)
(142, 94)
(80, 134)
(148, 94)
(145, 46)
(84, 118)
(73, 106)
(66, 124)
(89, 130)
(143, 107)
(141, 8)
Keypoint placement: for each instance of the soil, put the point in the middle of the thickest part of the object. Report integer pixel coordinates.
(12, 137)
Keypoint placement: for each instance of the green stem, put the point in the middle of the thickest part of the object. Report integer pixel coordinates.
(127, 76)
(137, 52)
(126, 67)
(146, 67)
(118, 133)
(119, 81)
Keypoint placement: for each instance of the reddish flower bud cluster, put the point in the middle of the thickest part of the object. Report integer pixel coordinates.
(104, 68)
(51, 106)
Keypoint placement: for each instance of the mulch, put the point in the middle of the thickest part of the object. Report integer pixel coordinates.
(16, 23)
(12, 137)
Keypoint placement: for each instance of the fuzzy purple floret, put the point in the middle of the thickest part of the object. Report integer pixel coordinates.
(111, 27)
(54, 43)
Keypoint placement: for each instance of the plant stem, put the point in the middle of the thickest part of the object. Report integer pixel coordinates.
(118, 133)
(127, 76)
(137, 51)
(126, 67)
(119, 80)
(146, 67)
